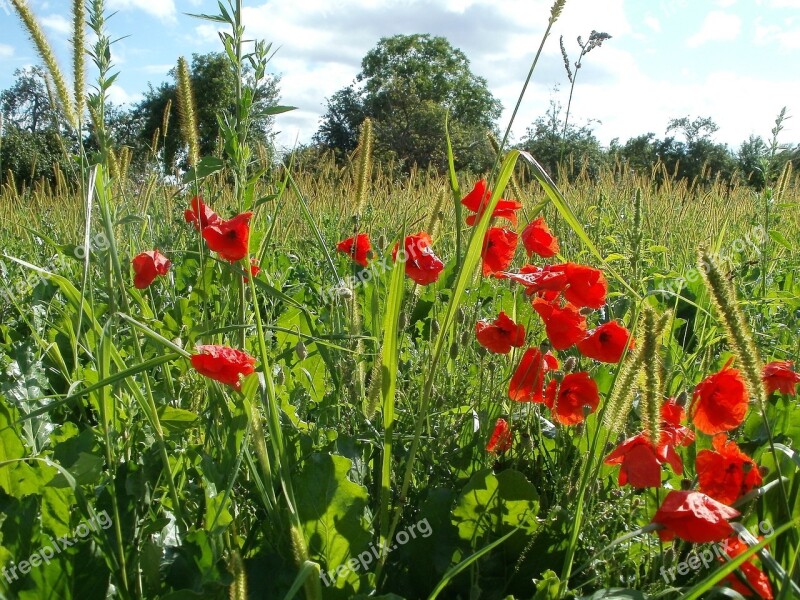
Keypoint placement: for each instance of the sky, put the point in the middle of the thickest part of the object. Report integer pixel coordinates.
(737, 61)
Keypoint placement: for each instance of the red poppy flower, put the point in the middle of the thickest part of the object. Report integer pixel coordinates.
(755, 576)
(357, 248)
(569, 399)
(200, 215)
(672, 432)
(501, 437)
(720, 401)
(499, 247)
(147, 266)
(527, 383)
(726, 473)
(538, 239)
(223, 364)
(479, 198)
(422, 265)
(500, 335)
(254, 270)
(564, 326)
(586, 286)
(640, 464)
(778, 376)
(229, 238)
(537, 279)
(693, 517)
(606, 343)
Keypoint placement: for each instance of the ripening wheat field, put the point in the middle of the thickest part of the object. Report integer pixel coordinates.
(275, 381)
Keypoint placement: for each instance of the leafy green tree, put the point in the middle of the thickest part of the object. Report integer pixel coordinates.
(409, 85)
(563, 148)
(26, 104)
(214, 87)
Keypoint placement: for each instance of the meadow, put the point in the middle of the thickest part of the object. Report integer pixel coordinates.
(276, 381)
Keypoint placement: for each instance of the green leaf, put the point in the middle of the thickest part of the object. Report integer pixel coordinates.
(779, 238)
(176, 420)
(208, 165)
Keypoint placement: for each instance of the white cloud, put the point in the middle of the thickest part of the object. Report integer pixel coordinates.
(118, 95)
(786, 37)
(653, 23)
(162, 9)
(717, 27)
(6, 51)
(726, 3)
(56, 23)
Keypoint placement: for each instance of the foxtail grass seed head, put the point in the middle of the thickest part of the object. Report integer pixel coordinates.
(238, 589)
(651, 401)
(78, 53)
(736, 328)
(49, 59)
(364, 167)
(186, 113)
(165, 117)
(375, 387)
(556, 10)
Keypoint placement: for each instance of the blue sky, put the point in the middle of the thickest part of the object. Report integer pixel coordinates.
(734, 60)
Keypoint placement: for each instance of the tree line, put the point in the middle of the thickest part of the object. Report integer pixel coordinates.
(416, 89)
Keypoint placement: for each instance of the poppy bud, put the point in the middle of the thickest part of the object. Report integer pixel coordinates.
(586, 311)
(460, 315)
(435, 327)
(587, 410)
(440, 215)
(454, 350)
(402, 321)
(481, 351)
(558, 375)
(570, 364)
(465, 338)
(355, 218)
(682, 398)
(686, 484)
(764, 471)
(280, 377)
(545, 346)
(300, 350)
(381, 241)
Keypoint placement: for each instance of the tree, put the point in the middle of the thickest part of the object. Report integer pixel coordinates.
(26, 104)
(409, 85)
(214, 88)
(556, 144)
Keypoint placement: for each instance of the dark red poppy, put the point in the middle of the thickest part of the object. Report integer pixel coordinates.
(499, 247)
(223, 364)
(527, 382)
(564, 326)
(586, 286)
(500, 335)
(200, 215)
(571, 400)
(755, 576)
(778, 376)
(719, 402)
(501, 439)
(726, 473)
(357, 248)
(229, 238)
(693, 517)
(537, 279)
(538, 239)
(479, 198)
(422, 265)
(147, 266)
(605, 343)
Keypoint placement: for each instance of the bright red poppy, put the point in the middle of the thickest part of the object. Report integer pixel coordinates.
(527, 382)
(499, 247)
(719, 402)
(778, 376)
(200, 215)
(500, 335)
(586, 286)
(640, 463)
(755, 576)
(572, 399)
(229, 238)
(422, 265)
(672, 432)
(726, 473)
(147, 266)
(254, 270)
(537, 280)
(223, 364)
(564, 326)
(357, 248)
(693, 517)
(605, 343)
(478, 199)
(501, 439)
(538, 239)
